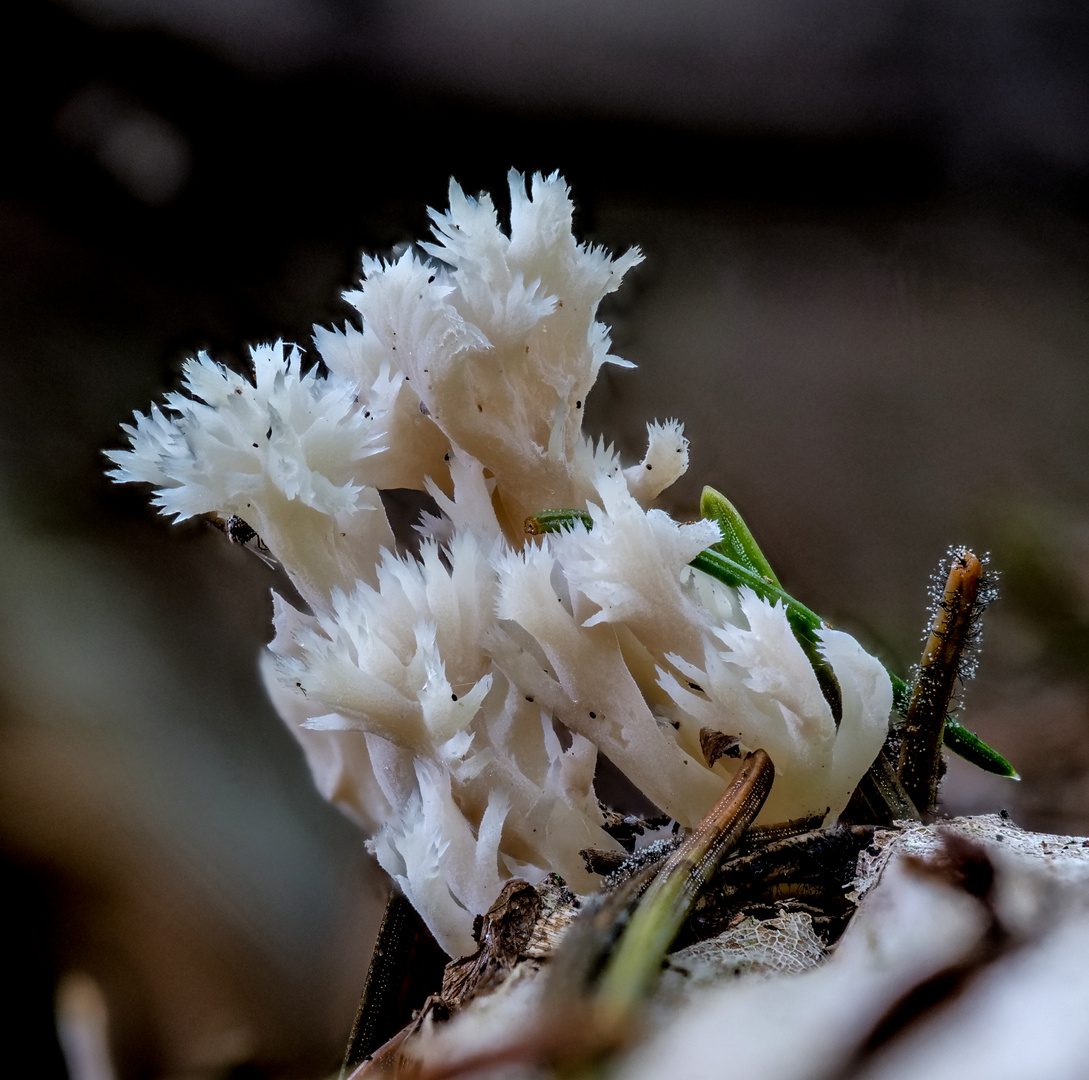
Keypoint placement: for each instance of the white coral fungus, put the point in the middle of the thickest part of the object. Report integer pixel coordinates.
(455, 701)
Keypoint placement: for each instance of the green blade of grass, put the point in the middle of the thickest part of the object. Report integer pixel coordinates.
(737, 543)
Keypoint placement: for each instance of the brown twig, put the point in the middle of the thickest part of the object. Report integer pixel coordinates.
(951, 631)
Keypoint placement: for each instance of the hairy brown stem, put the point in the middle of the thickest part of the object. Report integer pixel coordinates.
(950, 630)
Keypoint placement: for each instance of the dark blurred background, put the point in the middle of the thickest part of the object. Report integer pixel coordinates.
(865, 292)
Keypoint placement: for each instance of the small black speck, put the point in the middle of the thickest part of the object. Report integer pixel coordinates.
(676, 725)
(367, 415)
(578, 404)
(649, 466)
(1004, 814)
(430, 279)
(268, 434)
(530, 700)
(593, 716)
(453, 697)
(445, 457)
(696, 686)
(255, 444)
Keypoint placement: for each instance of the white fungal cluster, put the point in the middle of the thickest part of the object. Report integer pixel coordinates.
(455, 702)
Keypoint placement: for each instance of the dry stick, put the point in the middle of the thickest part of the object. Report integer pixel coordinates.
(405, 957)
(921, 750)
(388, 962)
(663, 908)
(602, 972)
(880, 798)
